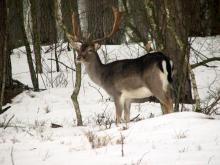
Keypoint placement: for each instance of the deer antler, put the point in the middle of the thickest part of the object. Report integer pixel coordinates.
(76, 32)
(117, 20)
(71, 38)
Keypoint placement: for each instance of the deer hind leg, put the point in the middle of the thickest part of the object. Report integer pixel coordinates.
(119, 105)
(127, 106)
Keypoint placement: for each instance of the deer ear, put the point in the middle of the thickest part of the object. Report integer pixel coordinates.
(97, 46)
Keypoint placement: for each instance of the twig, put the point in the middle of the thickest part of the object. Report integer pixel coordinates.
(139, 161)
(204, 62)
(134, 118)
(97, 90)
(122, 145)
(212, 105)
(12, 157)
(62, 64)
(9, 121)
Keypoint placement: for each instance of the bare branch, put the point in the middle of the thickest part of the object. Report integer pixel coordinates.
(12, 157)
(204, 62)
(135, 118)
(62, 64)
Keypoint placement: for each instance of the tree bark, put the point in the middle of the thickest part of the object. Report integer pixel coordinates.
(47, 22)
(100, 20)
(94, 11)
(197, 107)
(3, 49)
(27, 46)
(15, 32)
(67, 8)
(35, 37)
(56, 58)
(75, 93)
(137, 15)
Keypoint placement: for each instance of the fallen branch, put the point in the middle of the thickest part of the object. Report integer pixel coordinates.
(9, 121)
(96, 90)
(133, 119)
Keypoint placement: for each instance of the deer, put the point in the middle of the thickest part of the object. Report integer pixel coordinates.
(128, 79)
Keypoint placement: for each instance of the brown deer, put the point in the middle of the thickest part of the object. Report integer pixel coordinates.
(129, 79)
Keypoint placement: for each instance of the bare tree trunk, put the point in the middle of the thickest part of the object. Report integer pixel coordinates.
(3, 49)
(15, 32)
(67, 8)
(138, 21)
(56, 58)
(35, 37)
(197, 107)
(77, 85)
(75, 93)
(74, 96)
(94, 11)
(47, 22)
(27, 46)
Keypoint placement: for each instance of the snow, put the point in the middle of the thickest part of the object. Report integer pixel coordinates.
(187, 138)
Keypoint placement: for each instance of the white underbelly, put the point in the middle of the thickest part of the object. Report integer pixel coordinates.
(136, 93)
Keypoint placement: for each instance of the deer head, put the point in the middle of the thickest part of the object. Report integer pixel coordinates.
(87, 47)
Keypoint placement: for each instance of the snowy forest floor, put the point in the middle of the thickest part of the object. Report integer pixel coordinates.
(178, 138)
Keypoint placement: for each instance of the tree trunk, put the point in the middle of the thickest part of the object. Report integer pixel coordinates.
(47, 22)
(27, 46)
(15, 32)
(137, 15)
(5, 61)
(56, 58)
(77, 85)
(67, 8)
(3, 49)
(197, 107)
(100, 19)
(35, 37)
(94, 11)
(75, 93)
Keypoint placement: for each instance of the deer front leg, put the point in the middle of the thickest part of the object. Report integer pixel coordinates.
(119, 105)
(127, 111)
(167, 105)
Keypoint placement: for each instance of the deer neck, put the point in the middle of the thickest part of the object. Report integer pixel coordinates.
(95, 70)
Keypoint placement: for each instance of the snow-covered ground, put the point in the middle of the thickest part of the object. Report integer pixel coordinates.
(178, 138)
